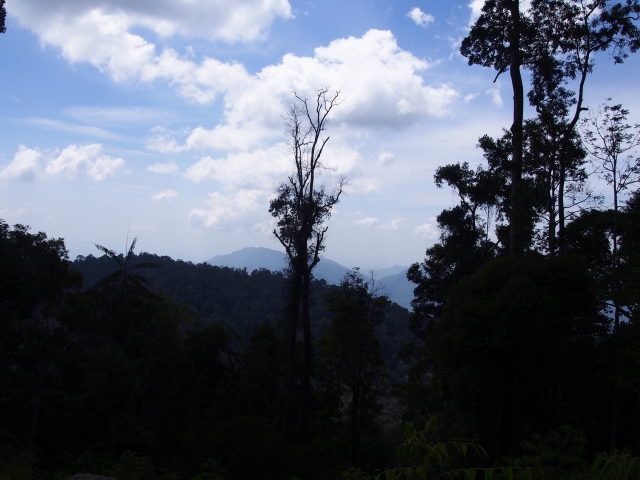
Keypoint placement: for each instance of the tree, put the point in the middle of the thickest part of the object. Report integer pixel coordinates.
(3, 17)
(35, 277)
(556, 40)
(612, 143)
(515, 348)
(353, 366)
(464, 242)
(302, 207)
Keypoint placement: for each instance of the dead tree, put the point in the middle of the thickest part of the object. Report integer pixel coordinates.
(302, 207)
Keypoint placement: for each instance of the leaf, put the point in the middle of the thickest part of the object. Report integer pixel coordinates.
(597, 462)
(470, 474)
(390, 475)
(508, 473)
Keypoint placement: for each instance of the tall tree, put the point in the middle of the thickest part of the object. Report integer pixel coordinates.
(302, 207)
(612, 143)
(556, 40)
(499, 39)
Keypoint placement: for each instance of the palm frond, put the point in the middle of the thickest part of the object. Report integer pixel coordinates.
(110, 253)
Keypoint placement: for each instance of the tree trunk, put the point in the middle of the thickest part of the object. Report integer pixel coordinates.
(292, 329)
(306, 365)
(516, 226)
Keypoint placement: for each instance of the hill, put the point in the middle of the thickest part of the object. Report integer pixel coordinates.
(394, 280)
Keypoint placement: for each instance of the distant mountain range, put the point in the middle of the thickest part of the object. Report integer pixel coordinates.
(393, 279)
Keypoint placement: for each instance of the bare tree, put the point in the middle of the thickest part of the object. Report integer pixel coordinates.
(302, 207)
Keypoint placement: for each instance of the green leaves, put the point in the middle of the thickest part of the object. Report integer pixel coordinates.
(620, 466)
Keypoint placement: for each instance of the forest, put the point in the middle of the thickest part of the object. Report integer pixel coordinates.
(519, 359)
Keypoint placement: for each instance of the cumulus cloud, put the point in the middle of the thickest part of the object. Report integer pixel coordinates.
(380, 86)
(220, 209)
(419, 17)
(163, 168)
(165, 195)
(231, 21)
(25, 165)
(427, 230)
(476, 9)
(89, 160)
(255, 169)
(372, 222)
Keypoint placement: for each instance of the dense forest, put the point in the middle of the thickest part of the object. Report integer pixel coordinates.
(520, 357)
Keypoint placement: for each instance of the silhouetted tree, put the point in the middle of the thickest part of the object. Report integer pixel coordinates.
(612, 144)
(3, 17)
(301, 207)
(556, 40)
(352, 365)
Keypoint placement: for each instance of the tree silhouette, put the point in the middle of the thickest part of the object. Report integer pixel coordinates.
(124, 281)
(612, 143)
(302, 207)
(557, 41)
(3, 17)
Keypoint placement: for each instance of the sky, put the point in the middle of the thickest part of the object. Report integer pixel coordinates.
(163, 119)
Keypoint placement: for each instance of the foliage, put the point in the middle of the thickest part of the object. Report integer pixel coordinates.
(445, 459)
(352, 367)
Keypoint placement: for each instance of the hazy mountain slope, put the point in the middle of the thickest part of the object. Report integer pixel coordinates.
(398, 288)
(387, 272)
(253, 258)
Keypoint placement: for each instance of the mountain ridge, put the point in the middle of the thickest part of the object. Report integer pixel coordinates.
(392, 279)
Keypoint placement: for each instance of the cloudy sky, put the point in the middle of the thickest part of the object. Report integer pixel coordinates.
(164, 118)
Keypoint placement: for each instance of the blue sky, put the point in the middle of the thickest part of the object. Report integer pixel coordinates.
(164, 118)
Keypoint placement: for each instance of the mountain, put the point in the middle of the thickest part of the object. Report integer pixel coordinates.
(394, 279)
(386, 272)
(398, 288)
(254, 258)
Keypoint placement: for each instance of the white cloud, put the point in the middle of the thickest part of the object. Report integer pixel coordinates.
(70, 162)
(392, 225)
(163, 168)
(165, 195)
(231, 21)
(25, 165)
(419, 17)
(427, 230)
(362, 185)
(380, 86)
(496, 98)
(366, 222)
(386, 159)
(220, 209)
(469, 97)
(476, 10)
(87, 159)
(257, 169)
(372, 222)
